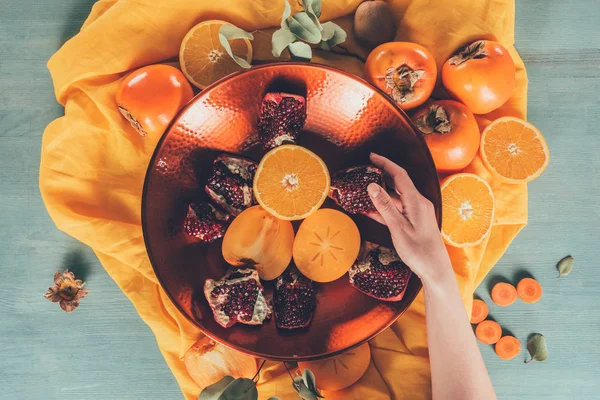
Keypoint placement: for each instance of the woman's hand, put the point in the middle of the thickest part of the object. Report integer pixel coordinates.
(411, 220)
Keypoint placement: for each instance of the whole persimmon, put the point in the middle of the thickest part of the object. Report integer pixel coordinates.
(481, 75)
(451, 133)
(405, 71)
(150, 97)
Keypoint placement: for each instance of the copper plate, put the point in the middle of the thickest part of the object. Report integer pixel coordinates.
(347, 119)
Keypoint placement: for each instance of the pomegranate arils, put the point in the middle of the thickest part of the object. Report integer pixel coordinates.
(237, 297)
(282, 117)
(349, 188)
(294, 301)
(380, 273)
(230, 183)
(205, 222)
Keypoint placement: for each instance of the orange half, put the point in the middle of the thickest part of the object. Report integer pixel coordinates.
(467, 210)
(291, 182)
(204, 60)
(514, 150)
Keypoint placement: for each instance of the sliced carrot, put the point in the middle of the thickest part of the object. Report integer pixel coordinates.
(529, 290)
(488, 332)
(480, 311)
(508, 347)
(504, 294)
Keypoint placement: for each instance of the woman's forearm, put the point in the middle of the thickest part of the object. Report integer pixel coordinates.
(457, 368)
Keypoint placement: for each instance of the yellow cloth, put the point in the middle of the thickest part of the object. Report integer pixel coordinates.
(93, 163)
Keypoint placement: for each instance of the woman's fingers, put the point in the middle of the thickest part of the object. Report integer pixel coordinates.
(385, 205)
(396, 200)
(403, 185)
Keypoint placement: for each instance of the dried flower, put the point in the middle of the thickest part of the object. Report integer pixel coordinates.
(67, 290)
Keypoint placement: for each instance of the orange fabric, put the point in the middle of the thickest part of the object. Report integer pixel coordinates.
(93, 162)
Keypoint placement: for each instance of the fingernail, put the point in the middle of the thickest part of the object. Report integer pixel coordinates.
(374, 190)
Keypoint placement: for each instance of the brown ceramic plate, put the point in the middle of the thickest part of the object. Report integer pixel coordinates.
(347, 119)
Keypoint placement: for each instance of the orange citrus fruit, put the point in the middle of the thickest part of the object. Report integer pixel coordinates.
(467, 210)
(291, 182)
(514, 150)
(202, 57)
(326, 245)
(341, 371)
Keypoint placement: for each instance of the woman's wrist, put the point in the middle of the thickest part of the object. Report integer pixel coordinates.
(440, 279)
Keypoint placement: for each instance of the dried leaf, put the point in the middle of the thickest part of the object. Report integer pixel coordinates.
(281, 39)
(229, 32)
(339, 35)
(240, 389)
(305, 28)
(537, 348)
(565, 266)
(300, 51)
(214, 391)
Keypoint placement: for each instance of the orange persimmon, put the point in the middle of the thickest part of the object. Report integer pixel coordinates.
(529, 290)
(405, 71)
(150, 97)
(488, 332)
(504, 294)
(479, 312)
(481, 75)
(451, 133)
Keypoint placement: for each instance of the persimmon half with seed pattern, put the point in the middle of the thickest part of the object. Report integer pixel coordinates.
(326, 245)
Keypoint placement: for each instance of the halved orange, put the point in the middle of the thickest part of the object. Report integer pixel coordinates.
(467, 210)
(291, 182)
(203, 60)
(326, 245)
(514, 150)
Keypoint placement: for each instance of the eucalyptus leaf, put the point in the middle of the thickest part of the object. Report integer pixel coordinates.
(229, 32)
(273, 398)
(281, 39)
(215, 390)
(240, 389)
(309, 380)
(339, 36)
(303, 391)
(305, 28)
(537, 348)
(565, 266)
(300, 51)
(287, 11)
(312, 7)
(328, 30)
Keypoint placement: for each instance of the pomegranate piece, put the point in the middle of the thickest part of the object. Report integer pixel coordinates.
(205, 222)
(282, 117)
(380, 273)
(349, 188)
(294, 300)
(230, 183)
(237, 297)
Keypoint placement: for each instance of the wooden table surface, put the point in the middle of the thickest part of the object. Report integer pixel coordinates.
(104, 350)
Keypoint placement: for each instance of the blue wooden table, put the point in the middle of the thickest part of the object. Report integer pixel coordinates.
(104, 350)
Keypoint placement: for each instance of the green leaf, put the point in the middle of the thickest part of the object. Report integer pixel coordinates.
(273, 398)
(240, 389)
(302, 390)
(287, 11)
(309, 380)
(565, 266)
(328, 30)
(338, 36)
(281, 39)
(213, 391)
(229, 32)
(537, 348)
(305, 28)
(312, 7)
(300, 51)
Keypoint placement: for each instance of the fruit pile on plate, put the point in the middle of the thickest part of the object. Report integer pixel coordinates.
(251, 208)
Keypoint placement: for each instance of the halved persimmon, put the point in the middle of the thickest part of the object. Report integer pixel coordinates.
(326, 245)
(406, 71)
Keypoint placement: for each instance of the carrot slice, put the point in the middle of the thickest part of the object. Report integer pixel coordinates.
(529, 290)
(488, 332)
(504, 294)
(480, 311)
(508, 347)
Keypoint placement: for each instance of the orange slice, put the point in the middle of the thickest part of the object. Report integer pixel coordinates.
(514, 150)
(467, 210)
(291, 182)
(203, 60)
(326, 245)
